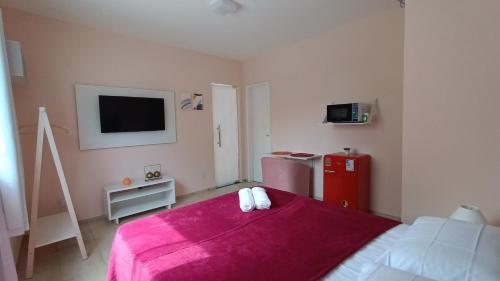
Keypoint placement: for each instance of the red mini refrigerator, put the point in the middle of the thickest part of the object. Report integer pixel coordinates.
(346, 181)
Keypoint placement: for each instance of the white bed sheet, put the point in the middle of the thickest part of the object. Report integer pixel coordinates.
(350, 269)
(380, 272)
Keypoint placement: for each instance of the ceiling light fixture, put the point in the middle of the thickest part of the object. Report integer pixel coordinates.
(224, 7)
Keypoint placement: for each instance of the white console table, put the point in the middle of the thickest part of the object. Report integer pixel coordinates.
(140, 196)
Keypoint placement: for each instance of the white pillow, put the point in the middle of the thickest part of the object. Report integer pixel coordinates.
(380, 272)
(448, 250)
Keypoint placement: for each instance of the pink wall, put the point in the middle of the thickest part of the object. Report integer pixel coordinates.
(58, 55)
(451, 136)
(359, 61)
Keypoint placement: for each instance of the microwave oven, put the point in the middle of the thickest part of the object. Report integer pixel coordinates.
(348, 113)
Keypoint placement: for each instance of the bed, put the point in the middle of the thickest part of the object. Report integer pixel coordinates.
(297, 239)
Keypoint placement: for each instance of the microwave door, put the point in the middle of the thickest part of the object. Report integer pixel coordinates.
(339, 113)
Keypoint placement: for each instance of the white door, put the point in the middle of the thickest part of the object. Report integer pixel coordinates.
(259, 127)
(225, 123)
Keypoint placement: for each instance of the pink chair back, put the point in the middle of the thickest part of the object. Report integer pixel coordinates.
(287, 175)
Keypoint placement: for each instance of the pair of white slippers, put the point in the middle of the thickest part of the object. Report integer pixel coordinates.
(253, 198)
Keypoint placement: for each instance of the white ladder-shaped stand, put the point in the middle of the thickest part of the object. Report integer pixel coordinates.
(58, 227)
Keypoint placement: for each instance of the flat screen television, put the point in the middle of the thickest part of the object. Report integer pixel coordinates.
(131, 114)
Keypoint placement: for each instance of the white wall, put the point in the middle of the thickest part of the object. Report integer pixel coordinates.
(359, 61)
(451, 134)
(58, 55)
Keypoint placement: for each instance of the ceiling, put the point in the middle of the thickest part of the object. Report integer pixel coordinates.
(258, 27)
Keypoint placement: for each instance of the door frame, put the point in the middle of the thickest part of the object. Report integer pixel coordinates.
(248, 123)
(238, 123)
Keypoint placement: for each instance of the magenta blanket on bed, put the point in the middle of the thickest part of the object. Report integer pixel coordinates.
(297, 239)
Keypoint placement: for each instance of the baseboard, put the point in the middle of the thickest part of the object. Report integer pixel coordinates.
(386, 216)
(93, 219)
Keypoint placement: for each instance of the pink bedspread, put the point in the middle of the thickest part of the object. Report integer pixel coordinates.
(297, 239)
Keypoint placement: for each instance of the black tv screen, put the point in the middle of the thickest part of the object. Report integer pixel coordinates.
(131, 114)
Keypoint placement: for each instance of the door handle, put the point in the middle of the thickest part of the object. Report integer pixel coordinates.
(219, 142)
(329, 172)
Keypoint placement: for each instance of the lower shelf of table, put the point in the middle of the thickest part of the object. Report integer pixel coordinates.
(138, 205)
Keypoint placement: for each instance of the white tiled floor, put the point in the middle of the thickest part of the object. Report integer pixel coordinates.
(62, 261)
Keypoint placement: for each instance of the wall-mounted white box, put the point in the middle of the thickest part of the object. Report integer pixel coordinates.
(89, 124)
(15, 59)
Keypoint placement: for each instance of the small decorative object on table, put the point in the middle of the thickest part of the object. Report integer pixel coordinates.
(152, 172)
(127, 181)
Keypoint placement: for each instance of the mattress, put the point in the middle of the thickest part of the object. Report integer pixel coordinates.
(214, 240)
(350, 269)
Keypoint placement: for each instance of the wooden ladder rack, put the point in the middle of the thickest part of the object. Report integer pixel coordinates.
(50, 229)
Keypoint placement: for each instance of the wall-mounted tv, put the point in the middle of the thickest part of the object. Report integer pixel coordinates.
(131, 114)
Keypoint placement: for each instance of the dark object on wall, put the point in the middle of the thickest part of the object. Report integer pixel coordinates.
(131, 114)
